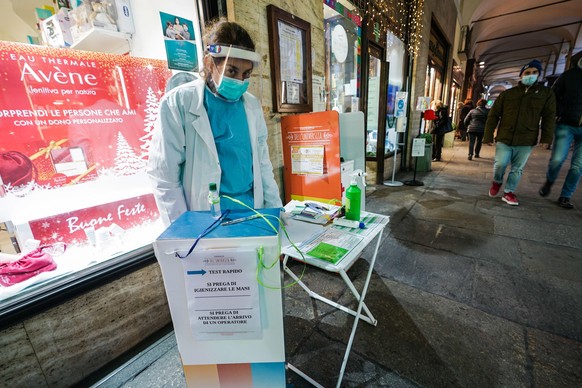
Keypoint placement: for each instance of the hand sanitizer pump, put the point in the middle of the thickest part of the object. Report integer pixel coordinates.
(354, 196)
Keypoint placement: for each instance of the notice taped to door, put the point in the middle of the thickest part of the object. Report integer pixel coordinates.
(223, 294)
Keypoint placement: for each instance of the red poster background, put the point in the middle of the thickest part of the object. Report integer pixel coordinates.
(69, 227)
(53, 98)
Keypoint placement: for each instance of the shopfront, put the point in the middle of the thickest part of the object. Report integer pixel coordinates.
(76, 116)
(75, 124)
(386, 67)
(78, 124)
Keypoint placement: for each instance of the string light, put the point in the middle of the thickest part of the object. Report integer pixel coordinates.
(405, 18)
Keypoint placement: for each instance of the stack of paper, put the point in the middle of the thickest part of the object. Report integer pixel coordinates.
(311, 211)
(331, 245)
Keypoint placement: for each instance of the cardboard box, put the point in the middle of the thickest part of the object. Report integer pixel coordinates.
(124, 16)
(56, 30)
(113, 15)
(96, 14)
(60, 4)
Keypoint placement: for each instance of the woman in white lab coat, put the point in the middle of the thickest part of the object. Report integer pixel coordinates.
(212, 131)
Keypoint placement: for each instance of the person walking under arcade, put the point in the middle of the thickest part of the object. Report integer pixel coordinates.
(463, 112)
(475, 123)
(439, 129)
(516, 114)
(568, 90)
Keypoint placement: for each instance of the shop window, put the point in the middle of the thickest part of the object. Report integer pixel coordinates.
(75, 129)
(342, 42)
(456, 102)
(211, 10)
(433, 87)
(396, 55)
(455, 97)
(373, 105)
(437, 62)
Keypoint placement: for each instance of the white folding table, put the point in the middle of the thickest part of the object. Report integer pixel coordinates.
(301, 232)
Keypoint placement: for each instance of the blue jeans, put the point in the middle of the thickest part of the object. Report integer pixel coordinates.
(504, 155)
(563, 138)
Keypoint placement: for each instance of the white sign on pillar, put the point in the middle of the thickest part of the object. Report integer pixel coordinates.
(418, 147)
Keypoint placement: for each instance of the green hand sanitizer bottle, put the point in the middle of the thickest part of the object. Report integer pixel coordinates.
(353, 198)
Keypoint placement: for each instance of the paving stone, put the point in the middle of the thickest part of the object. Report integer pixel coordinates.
(467, 291)
(531, 299)
(551, 233)
(556, 361)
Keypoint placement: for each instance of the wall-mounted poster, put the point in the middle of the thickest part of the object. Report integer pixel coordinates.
(180, 42)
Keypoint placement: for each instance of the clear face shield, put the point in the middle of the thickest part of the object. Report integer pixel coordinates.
(232, 68)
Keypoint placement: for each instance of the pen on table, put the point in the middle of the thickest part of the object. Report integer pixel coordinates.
(315, 206)
(236, 221)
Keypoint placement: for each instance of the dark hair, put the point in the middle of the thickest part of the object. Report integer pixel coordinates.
(482, 102)
(222, 31)
(228, 33)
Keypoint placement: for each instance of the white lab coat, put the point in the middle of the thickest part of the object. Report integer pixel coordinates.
(183, 158)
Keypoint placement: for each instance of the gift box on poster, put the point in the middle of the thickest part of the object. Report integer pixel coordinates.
(69, 161)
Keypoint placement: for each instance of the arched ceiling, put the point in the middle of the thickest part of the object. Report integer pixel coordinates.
(506, 34)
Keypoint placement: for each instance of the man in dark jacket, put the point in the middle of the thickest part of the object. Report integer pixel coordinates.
(475, 124)
(568, 90)
(516, 114)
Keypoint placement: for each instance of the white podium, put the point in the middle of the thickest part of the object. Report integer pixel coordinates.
(225, 299)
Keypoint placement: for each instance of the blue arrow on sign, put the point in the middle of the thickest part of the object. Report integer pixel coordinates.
(200, 272)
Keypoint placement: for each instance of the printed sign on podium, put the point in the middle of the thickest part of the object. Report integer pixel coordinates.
(225, 299)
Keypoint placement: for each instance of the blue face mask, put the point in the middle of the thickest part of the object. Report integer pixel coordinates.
(232, 89)
(529, 80)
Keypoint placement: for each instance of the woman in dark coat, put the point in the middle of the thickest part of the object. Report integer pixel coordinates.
(475, 123)
(439, 129)
(465, 109)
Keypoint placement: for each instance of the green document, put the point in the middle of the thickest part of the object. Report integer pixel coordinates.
(328, 252)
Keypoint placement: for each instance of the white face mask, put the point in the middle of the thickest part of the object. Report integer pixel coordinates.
(529, 80)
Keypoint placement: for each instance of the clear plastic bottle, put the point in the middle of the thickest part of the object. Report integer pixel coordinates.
(214, 200)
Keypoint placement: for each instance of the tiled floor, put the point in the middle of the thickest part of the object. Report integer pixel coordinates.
(468, 292)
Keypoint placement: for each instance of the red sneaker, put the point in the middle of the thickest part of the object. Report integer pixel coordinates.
(510, 199)
(494, 189)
